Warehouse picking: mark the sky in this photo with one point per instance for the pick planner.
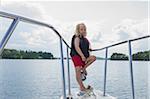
(107, 22)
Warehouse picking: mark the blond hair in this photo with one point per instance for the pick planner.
(77, 33)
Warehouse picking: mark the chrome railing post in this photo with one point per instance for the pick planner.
(8, 34)
(105, 70)
(63, 70)
(131, 68)
(69, 87)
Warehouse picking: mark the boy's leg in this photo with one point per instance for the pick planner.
(78, 77)
(89, 61)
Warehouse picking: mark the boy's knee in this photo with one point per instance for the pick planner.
(93, 58)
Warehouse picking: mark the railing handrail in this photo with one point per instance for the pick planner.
(122, 42)
(28, 20)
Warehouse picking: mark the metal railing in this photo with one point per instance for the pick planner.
(130, 61)
(17, 19)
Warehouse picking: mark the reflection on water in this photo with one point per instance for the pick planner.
(41, 79)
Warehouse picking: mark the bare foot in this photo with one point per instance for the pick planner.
(82, 88)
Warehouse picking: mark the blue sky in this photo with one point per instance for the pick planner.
(107, 22)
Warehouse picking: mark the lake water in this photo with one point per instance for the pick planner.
(41, 79)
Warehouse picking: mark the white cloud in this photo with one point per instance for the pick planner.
(129, 28)
(31, 10)
(39, 36)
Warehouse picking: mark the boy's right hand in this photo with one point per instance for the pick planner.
(83, 58)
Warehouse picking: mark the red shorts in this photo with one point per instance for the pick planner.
(77, 61)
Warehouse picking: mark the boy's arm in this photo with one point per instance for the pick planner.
(76, 43)
(90, 48)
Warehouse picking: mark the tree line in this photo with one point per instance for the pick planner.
(20, 54)
(145, 56)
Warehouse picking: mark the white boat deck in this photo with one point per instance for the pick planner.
(97, 95)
